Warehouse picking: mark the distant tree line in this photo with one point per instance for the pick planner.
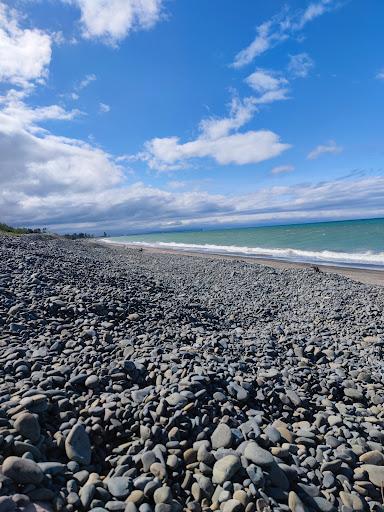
(20, 231)
(4, 228)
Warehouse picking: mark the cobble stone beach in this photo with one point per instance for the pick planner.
(142, 382)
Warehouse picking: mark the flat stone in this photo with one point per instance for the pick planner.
(295, 504)
(92, 382)
(120, 486)
(375, 474)
(176, 399)
(221, 437)
(352, 501)
(225, 468)
(258, 455)
(232, 506)
(323, 504)
(28, 426)
(35, 403)
(373, 457)
(78, 446)
(87, 493)
(162, 495)
(354, 394)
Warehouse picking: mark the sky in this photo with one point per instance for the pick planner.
(138, 115)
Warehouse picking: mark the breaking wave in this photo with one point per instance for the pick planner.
(359, 260)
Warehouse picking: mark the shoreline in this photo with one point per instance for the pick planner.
(365, 276)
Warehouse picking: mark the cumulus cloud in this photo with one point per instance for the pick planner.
(281, 169)
(24, 53)
(239, 148)
(300, 65)
(36, 162)
(331, 148)
(217, 141)
(113, 20)
(280, 28)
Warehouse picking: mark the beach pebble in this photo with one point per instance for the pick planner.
(78, 446)
(28, 426)
(22, 471)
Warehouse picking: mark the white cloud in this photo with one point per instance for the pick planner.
(278, 29)
(24, 53)
(88, 79)
(281, 169)
(82, 84)
(262, 81)
(104, 108)
(241, 112)
(15, 108)
(300, 65)
(138, 206)
(239, 148)
(112, 20)
(380, 75)
(331, 147)
(270, 86)
(39, 163)
(217, 141)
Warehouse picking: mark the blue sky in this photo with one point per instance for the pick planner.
(131, 115)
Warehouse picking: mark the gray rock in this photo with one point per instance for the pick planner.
(22, 471)
(221, 437)
(225, 468)
(258, 455)
(28, 426)
(375, 474)
(373, 457)
(295, 504)
(232, 506)
(120, 486)
(162, 495)
(78, 446)
(176, 400)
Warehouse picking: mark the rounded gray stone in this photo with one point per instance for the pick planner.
(225, 468)
(221, 437)
(78, 445)
(119, 486)
(22, 471)
(28, 426)
(258, 455)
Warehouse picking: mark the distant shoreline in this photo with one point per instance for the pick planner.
(366, 276)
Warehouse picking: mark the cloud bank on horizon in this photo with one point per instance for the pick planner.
(65, 162)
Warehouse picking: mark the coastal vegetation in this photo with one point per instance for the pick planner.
(5, 228)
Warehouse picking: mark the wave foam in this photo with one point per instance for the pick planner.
(359, 260)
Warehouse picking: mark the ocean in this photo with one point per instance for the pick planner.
(355, 243)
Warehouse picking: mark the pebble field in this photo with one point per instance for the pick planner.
(143, 382)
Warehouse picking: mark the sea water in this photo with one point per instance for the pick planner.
(356, 243)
